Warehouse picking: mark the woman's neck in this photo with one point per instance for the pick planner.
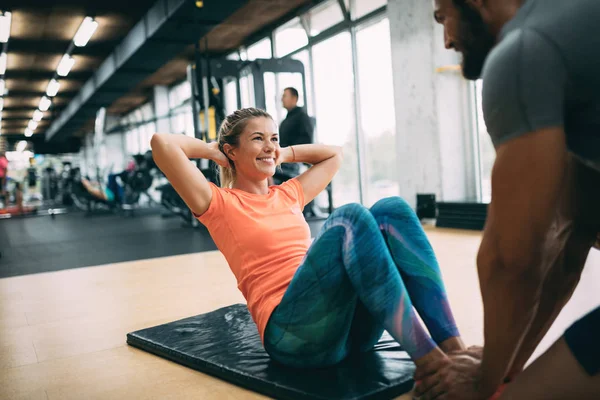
(254, 187)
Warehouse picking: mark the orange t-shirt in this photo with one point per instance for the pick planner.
(264, 239)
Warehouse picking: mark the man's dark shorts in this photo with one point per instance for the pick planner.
(583, 338)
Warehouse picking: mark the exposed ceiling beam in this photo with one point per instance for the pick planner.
(20, 126)
(43, 75)
(45, 46)
(34, 93)
(19, 135)
(91, 8)
(27, 109)
(17, 118)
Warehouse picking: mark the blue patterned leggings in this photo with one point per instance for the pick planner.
(362, 275)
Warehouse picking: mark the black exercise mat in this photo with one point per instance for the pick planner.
(225, 343)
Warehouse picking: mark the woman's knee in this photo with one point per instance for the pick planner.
(395, 207)
(355, 218)
(350, 209)
(351, 212)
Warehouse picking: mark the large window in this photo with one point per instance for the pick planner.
(360, 8)
(290, 37)
(305, 98)
(247, 89)
(181, 109)
(132, 134)
(261, 49)
(140, 128)
(334, 94)
(324, 16)
(377, 115)
(147, 129)
(487, 153)
(271, 95)
(230, 92)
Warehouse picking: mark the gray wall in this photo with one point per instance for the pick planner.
(435, 146)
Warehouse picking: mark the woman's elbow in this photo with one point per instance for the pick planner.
(155, 141)
(338, 158)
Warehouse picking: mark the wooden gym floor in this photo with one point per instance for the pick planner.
(62, 334)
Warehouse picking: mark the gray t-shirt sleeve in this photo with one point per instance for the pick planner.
(524, 83)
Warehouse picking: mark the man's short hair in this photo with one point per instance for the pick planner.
(293, 91)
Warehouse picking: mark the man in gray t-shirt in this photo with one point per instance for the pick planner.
(540, 64)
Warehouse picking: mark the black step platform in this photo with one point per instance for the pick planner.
(225, 343)
(461, 215)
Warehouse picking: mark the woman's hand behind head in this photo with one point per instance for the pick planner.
(218, 156)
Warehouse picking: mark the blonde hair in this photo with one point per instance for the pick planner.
(229, 133)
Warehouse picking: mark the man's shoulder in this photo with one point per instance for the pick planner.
(511, 49)
(522, 53)
(523, 85)
(299, 111)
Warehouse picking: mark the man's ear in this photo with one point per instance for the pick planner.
(229, 151)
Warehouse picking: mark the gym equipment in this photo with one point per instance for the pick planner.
(136, 182)
(225, 343)
(127, 187)
(50, 185)
(426, 206)
(174, 204)
(461, 215)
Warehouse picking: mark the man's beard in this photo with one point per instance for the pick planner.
(476, 42)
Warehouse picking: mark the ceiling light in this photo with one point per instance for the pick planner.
(32, 125)
(65, 65)
(28, 132)
(44, 104)
(3, 59)
(38, 115)
(1, 105)
(5, 21)
(85, 32)
(53, 87)
(2, 87)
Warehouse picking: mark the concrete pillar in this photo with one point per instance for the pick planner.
(434, 151)
(161, 109)
(456, 125)
(99, 141)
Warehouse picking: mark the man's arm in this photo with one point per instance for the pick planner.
(526, 181)
(573, 233)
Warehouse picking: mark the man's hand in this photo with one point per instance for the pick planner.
(457, 377)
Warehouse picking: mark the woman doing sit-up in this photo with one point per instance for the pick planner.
(313, 302)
